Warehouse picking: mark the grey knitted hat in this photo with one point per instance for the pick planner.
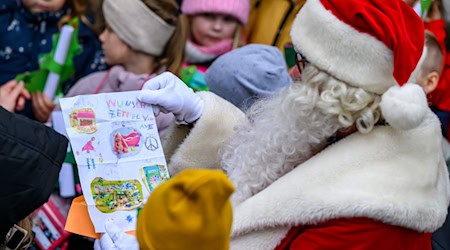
(245, 74)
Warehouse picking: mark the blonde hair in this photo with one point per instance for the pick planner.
(238, 39)
(173, 55)
(287, 129)
(434, 58)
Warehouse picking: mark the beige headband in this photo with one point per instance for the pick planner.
(137, 25)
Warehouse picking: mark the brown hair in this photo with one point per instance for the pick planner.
(173, 55)
(79, 8)
(434, 58)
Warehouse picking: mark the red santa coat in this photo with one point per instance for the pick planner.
(380, 186)
(354, 233)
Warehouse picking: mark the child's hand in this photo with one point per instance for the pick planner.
(42, 106)
(13, 96)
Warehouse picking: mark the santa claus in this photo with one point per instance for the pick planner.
(348, 158)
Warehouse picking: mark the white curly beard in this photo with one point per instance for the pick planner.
(290, 127)
(286, 130)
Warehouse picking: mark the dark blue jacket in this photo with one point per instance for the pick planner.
(444, 117)
(24, 36)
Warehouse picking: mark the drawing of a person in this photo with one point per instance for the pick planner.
(89, 149)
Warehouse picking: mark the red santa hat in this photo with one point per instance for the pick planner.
(371, 44)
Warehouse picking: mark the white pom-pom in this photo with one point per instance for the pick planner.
(404, 107)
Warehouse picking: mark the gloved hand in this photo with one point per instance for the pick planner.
(172, 95)
(114, 239)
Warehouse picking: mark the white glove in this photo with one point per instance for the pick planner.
(114, 239)
(172, 95)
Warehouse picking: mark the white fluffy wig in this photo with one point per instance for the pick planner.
(288, 128)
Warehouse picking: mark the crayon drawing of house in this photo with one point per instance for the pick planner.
(83, 120)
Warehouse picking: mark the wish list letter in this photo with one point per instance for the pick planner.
(118, 153)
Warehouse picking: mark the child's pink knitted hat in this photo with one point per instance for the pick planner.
(239, 9)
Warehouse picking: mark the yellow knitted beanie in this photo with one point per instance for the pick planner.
(190, 211)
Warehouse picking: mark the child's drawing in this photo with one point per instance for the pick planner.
(115, 161)
(88, 152)
(163, 172)
(111, 196)
(153, 176)
(83, 120)
(126, 142)
(100, 158)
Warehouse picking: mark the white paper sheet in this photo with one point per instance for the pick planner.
(118, 152)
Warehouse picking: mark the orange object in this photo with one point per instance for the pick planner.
(270, 21)
(79, 222)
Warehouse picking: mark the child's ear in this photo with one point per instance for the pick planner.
(432, 82)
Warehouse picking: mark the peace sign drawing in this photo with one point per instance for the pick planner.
(151, 143)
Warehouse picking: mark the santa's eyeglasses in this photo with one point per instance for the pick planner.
(301, 61)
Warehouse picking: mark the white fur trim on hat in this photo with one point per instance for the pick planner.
(404, 107)
(337, 48)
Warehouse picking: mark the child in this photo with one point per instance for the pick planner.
(142, 39)
(214, 30)
(27, 28)
(238, 79)
(439, 98)
(429, 75)
(431, 66)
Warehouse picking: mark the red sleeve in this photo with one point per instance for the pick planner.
(355, 234)
(437, 27)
